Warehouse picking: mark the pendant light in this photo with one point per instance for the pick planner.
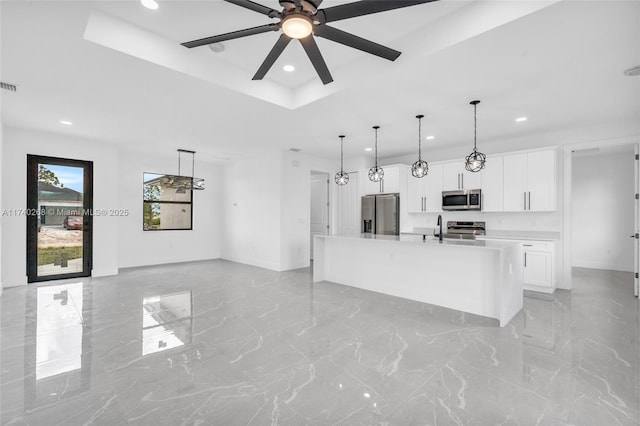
(474, 162)
(342, 177)
(420, 168)
(184, 183)
(376, 174)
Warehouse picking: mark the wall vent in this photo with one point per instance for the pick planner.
(7, 86)
(295, 149)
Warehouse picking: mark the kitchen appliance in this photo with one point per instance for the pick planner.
(381, 214)
(465, 230)
(462, 199)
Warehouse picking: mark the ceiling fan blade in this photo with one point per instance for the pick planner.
(356, 42)
(231, 35)
(271, 58)
(310, 46)
(366, 7)
(247, 4)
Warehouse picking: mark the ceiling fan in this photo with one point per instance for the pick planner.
(302, 20)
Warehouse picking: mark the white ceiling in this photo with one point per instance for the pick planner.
(561, 66)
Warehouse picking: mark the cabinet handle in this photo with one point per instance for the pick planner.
(458, 180)
(524, 201)
(525, 259)
(424, 204)
(462, 180)
(527, 245)
(529, 200)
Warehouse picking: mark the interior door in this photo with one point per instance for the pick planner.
(319, 206)
(59, 218)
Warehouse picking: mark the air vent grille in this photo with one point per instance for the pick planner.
(7, 86)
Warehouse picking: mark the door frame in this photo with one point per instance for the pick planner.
(566, 282)
(327, 182)
(32, 219)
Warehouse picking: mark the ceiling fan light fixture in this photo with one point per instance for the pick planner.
(297, 25)
(149, 4)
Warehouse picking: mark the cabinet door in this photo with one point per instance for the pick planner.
(391, 181)
(514, 182)
(452, 176)
(366, 186)
(537, 268)
(471, 180)
(541, 181)
(433, 188)
(416, 192)
(492, 190)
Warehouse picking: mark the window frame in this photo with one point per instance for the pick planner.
(145, 202)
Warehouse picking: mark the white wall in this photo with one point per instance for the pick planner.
(603, 211)
(17, 144)
(296, 206)
(137, 247)
(251, 210)
(266, 209)
(117, 184)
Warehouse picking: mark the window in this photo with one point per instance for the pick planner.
(166, 206)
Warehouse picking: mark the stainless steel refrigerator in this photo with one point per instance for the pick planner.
(381, 214)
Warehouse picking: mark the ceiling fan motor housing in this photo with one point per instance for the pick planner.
(308, 6)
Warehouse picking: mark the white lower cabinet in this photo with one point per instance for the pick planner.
(538, 266)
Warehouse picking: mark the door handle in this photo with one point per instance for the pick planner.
(636, 236)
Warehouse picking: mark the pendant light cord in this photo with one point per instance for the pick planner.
(419, 117)
(475, 125)
(376, 129)
(341, 155)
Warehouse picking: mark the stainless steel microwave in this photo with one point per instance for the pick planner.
(462, 199)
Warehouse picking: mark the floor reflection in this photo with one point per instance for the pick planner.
(61, 356)
(167, 322)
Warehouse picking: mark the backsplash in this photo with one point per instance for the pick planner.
(516, 221)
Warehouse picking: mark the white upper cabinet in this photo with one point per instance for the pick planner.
(530, 181)
(541, 181)
(515, 178)
(492, 187)
(416, 191)
(433, 189)
(366, 186)
(391, 181)
(455, 176)
(425, 194)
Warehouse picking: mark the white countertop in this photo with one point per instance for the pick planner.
(430, 241)
(499, 235)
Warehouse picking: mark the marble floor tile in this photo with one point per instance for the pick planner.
(220, 343)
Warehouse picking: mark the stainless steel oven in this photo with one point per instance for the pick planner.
(462, 199)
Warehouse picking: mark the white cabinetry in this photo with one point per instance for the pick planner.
(425, 194)
(390, 183)
(538, 266)
(530, 181)
(455, 176)
(492, 185)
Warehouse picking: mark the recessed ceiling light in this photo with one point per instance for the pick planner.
(66, 123)
(368, 149)
(521, 119)
(289, 68)
(149, 4)
(430, 137)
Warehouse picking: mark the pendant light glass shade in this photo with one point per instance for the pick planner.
(475, 161)
(342, 177)
(376, 174)
(420, 168)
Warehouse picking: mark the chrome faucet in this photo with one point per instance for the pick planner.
(440, 236)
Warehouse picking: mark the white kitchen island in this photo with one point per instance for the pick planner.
(470, 276)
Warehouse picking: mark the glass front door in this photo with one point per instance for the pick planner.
(59, 198)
